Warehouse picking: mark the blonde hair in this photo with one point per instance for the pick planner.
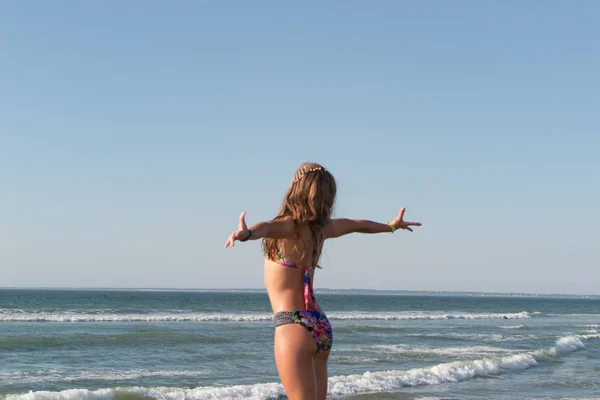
(308, 201)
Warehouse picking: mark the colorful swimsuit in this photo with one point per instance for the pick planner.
(311, 318)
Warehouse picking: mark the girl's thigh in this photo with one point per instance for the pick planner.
(320, 362)
(294, 352)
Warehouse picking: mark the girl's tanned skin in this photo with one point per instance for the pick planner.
(293, 242)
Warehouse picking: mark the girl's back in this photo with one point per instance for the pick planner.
(285, 280)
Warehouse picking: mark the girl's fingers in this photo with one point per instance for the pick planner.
(406, 227)
(243, 221)
(230, 241)
(401, 213)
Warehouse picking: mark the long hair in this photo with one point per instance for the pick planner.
(308, 201)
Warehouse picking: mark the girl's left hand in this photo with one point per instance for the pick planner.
(241, 233)
(400, 223)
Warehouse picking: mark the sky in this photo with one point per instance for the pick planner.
(132, 134)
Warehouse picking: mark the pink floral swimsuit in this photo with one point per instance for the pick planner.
(312, 317)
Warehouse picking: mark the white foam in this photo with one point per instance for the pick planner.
(343, 359)
(590, 336)
(259, 391)
(512, 326)
(454, 352)
(488, 337)
(449, 372)
(568, 344)
(379, 381)
(53, 375)
(426, 316)
(564, 345)
(200, 317)
(442, 373)
(191, 317)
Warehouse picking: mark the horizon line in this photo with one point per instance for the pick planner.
(176, 289)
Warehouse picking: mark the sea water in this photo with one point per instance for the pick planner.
(103, 344)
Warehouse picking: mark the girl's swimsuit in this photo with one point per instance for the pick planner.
(312, 317)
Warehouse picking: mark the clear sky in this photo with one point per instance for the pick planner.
(133, 133)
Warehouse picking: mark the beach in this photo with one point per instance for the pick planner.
(107, 344)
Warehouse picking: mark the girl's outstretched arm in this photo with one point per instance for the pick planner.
(343, 226)
(276, 229)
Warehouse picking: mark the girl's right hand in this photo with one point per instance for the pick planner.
(241, 234)
(400, 223)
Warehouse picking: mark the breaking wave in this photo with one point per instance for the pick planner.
(512, 327)
(368, 382)
(54, 375)
(216, 317)
(487, 337)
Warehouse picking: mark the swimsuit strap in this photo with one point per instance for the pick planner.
(277, 257)
(310, 303)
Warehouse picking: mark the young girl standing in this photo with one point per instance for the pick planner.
(292, 243)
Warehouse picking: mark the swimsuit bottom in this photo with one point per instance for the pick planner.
(314, 321)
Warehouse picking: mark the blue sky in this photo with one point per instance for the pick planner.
(132, 134)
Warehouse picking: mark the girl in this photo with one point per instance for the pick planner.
(292, 243)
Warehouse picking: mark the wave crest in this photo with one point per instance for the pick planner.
(245, 317)
(338, 385)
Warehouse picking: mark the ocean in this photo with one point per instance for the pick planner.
(152, 344)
